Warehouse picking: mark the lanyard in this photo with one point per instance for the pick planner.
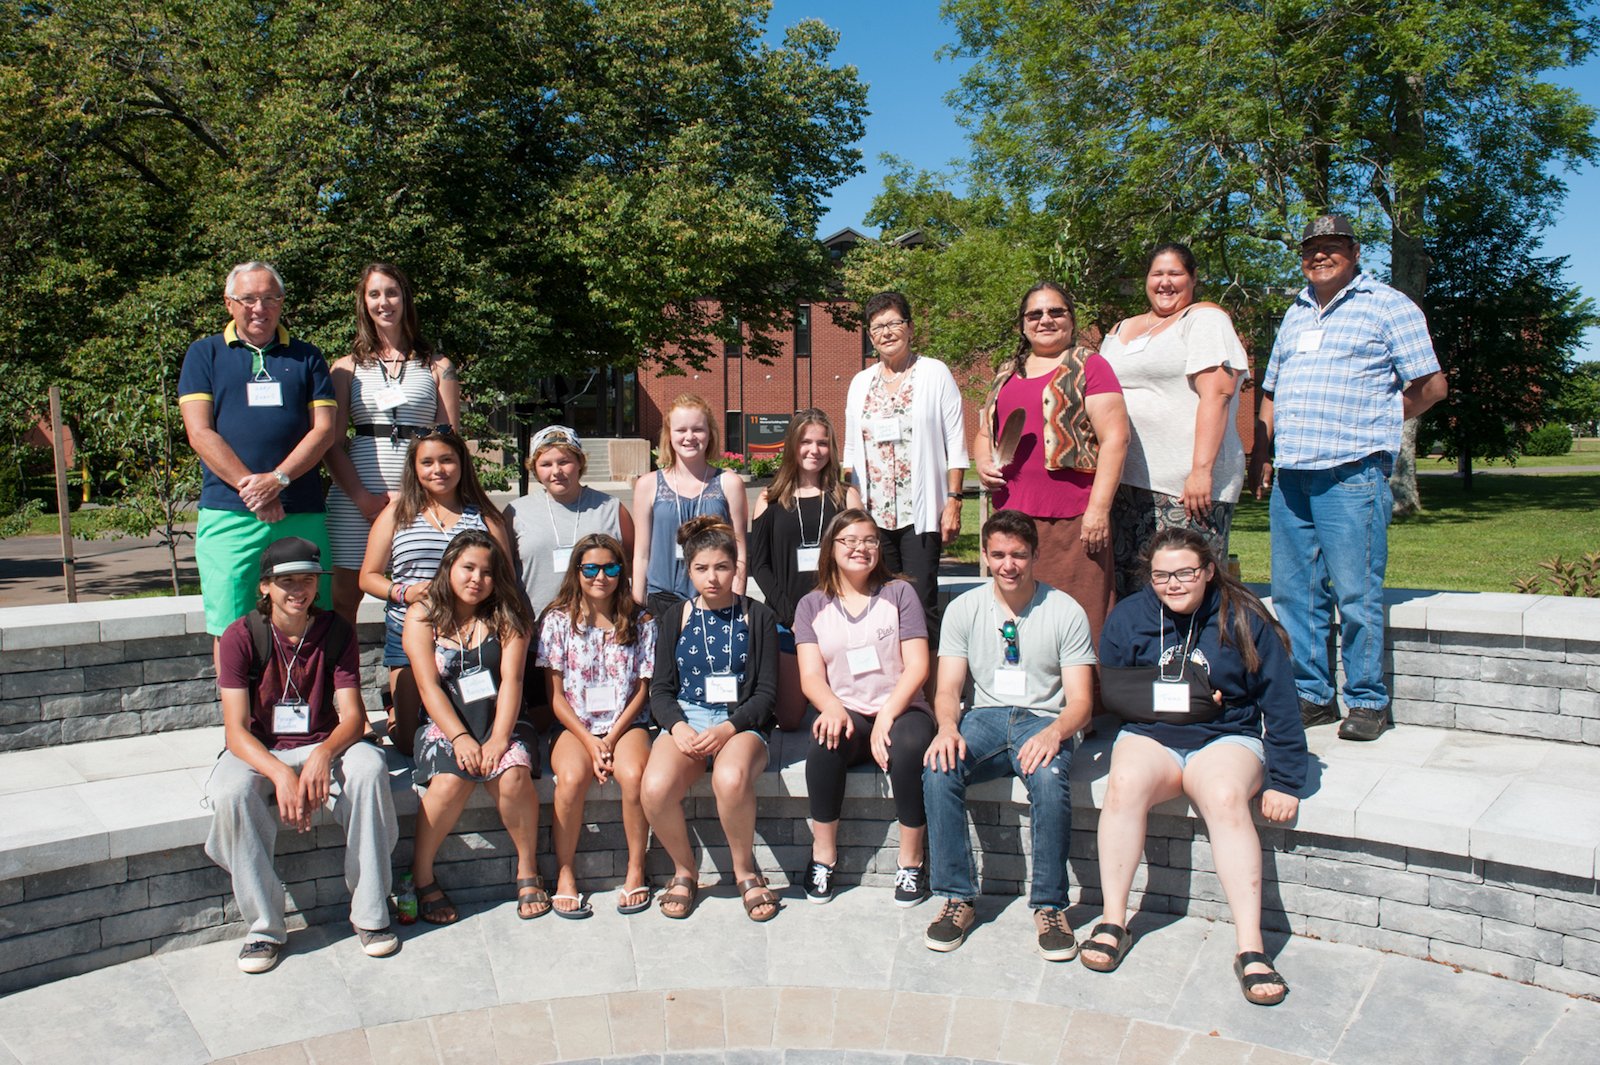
(398, 379)
(852, 624)
(678, 500)
(290, 661)
(461, 646)
(258, 362)
(705, 637)
(576, 521)
(801, 521)
(1161, 652)
(1016, 619)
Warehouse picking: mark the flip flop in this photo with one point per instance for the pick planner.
(530, 892)
(578, 912)
(1114, 952)
(634, 907)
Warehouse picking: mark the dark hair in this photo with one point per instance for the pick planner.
(885, 301)
(708, 532)
(1185, 256)
(1019, 358)
(503, 610)
(781, 492)
(571, 601)
(1011, 523)
(413, 497)
(368, 343)
(1238, 602)
(829, 582)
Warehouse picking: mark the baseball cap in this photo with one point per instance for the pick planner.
(1328, 225)
(290, 555)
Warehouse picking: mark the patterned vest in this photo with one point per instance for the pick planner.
(1069, 440)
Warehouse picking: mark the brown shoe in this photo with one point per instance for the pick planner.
(949, 930)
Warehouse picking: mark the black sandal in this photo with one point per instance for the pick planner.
(426, 908)
(1114, 952)
(531, 892)
(1248, 982)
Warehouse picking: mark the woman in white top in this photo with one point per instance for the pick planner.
(905, 445)
(1180, 365)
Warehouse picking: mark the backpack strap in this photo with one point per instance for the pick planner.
(260, 645)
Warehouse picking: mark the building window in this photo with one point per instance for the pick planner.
(866, 345)
(802, 331)
(734, 349)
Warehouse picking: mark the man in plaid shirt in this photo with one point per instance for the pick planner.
(1352, 360)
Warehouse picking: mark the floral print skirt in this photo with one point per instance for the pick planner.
(1138, 514)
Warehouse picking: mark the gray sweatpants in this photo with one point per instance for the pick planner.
(244, 835)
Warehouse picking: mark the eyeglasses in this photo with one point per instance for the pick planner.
(254, 301)
(594, 569)
(1052, 312)
(889, 326)
(863, 543)
(1330, 249)
(1187, 575)
(400, 432)
(1008, 633)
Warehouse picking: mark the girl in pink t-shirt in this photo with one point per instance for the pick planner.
(862, 641)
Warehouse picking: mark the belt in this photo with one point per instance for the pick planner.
(394, 432)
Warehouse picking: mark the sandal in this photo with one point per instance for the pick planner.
(1113, 952)
(763, 897)
(682, 904)
(531, 893)
(427, 908)
(1248, 982)
(576, 913)
(640, 893)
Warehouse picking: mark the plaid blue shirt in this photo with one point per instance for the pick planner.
(1339, 401)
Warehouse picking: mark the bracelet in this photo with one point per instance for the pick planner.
(956, 495)
(457, 736)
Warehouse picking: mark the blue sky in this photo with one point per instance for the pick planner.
(893, 43)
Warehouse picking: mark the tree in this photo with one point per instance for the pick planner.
(1578, 401)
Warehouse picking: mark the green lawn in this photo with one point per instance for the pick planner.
(1477, 542)
(1585, 452)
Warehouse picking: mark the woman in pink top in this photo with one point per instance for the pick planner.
(862, 641)
(1067, 461)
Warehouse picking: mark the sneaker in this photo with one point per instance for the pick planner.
(378, 943)
(1366, 723)
(949, 930)
(819, 883)
(259, 955)
(1312, 714)
(910, 885)
(1055, 935)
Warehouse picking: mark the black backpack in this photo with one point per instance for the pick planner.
(338, 638)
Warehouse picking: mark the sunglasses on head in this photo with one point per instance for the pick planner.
(1008, 633)
(594, 569)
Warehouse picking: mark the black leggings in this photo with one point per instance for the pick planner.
(909, 737)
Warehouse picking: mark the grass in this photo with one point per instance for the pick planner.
(1585, 452)
(49, 524)
(1468, 542)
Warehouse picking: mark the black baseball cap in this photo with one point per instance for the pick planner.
(1328, 225)
(291, 555)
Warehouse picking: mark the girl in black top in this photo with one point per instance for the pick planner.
(786, 537)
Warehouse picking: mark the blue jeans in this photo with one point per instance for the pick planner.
(994, 735)
(1330, 543)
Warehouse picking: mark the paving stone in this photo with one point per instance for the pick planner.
(748, 1013)
(1573, 1037)
(1093, 1036)
(524, 1031)
(861, 1020)
(128, 1007)
(976, 1028)
(581, 1027)
(1152, 1044)
(445, 960)
(70, 965)
(638, 1022)
(1033, 1033)
(289, 1054)
(1212, 1050)
(804, 1018)
(463, 1038)
(1428, 808)
(1540, 826)
(402, 1043)
(918, 1023)
(340, 1048)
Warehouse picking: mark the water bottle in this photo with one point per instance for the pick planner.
(405, 900)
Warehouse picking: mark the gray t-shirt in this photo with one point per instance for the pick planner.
(540, 526)
(1052, 632)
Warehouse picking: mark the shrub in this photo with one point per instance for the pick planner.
(730, 460)
(765, 465)
(1551, 439)
(1580, 578)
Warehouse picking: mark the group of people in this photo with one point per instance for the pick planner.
(635, 652)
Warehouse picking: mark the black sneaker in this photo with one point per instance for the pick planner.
(1366, 723)
(949, 930)
(1055, 935)
(259, 955)
(910, 885)
(1312, 714)
(819, 883)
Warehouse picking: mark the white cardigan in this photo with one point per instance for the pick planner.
(938, 436)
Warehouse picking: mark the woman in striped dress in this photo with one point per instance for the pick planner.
(439, 497)
(390, 388)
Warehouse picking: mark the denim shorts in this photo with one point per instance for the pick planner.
(394, 655)
(1182, 755)
(701, 718)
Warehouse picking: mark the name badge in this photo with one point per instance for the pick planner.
(1310, 340)
(291, 719)
(1170, 697)
(722, 688)
(600, 698)
(479, 684)
(677, 552)
(389, 397)
(264, 394)
(560, 557)
(806, 558)
(1011, 682)
(1138, 344)
(863, 660)
(884, 430)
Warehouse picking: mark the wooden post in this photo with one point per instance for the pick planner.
(983, 516)
(58, 437)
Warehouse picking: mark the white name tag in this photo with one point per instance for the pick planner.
(600, 698)
(1310, 340)
(1170, 697)
(291, 719)
(722, 688)
(677, 552)
(389, 397)
(264, 394)
(560, 557)
(1138, 344)
(863, 660)
(1011, 682)
(884, 430)
(806, 558)
(479, 684)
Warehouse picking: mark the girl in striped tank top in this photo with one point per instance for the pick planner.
(439, 497)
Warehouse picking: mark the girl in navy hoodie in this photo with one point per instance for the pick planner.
(1200, 672)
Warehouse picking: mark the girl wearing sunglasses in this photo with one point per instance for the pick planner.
(598, 651)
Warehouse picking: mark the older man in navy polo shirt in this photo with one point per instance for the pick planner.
(1351, 362)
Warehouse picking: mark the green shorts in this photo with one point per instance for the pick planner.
(227, 552)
